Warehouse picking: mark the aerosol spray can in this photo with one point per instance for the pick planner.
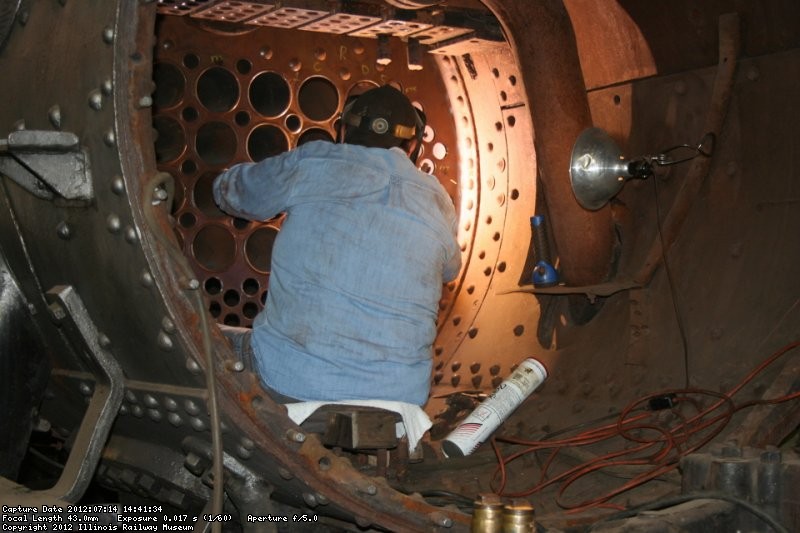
(494, 410)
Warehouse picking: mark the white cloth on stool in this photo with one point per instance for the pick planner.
(415, 421)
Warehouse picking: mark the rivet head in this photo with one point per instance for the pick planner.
(110, 138)
(175, 419)
(130, 235)
(197, 424)
(96, 100)
(113, 223)
(191, 407)
(150, 401)
(168, 325)
(64, 230)
(54, 115)
(108, 35)
(19, 125)
(130, 396)
(118, 185)
(155, 415)
(146, 278)
(164, 341)
(170, 404)
(145, 101)
(192, 366)
(104, 341)
(137, 411)
(107, 87)
(85, 389)
(243, 452)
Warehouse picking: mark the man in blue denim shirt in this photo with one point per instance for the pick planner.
(358, 266)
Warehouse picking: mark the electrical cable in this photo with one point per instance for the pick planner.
(163, 179)
(654, 443)
(677, 500)
(671, 283)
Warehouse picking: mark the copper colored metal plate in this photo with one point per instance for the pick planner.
(224, 99)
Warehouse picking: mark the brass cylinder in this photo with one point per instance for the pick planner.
(487, 516)
(518, 518)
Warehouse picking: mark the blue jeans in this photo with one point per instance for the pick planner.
(241, 342)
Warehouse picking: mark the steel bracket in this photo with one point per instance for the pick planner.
(48, 164)
(68, 311)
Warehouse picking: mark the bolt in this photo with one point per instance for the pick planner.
(110, 138)
(164, 341)
(108, 35)
(295, 436)
(192, 366)
(113, 223)
(103, 341)
(118, 186)
(146, 278)
(441, 519)
(96, 100)
(168, 325)
(191, 407)
(64, 230)
(54, 114)
(234, 366)
(242, 452)
(57, 312)
(130, 235)
(107, 87)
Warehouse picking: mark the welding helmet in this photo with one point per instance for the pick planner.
(383, 118)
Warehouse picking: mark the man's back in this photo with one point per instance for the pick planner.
(356, 272)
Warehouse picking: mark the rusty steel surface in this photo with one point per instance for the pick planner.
(560, 111)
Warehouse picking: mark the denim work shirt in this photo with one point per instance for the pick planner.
(357, 270)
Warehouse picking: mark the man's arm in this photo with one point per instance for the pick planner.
(257, 191)
(453, 265)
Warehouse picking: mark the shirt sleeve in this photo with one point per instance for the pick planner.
(453, 265)
(257, 191)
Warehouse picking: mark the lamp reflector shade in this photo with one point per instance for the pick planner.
(597, 168)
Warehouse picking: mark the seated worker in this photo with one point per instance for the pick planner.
(358, 266)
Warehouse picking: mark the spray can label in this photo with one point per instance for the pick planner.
(494, 410)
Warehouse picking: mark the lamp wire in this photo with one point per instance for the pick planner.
(671, 283)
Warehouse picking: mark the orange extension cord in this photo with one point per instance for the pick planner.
(649, 443)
